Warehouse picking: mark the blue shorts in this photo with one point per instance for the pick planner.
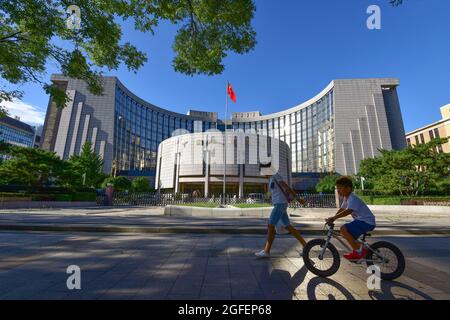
(279, 212)
(357, 228)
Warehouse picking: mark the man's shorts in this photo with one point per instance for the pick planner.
(357, 228)
(279, 212)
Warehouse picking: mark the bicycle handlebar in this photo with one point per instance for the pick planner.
(329, 225)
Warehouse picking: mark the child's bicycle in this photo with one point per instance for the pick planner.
(322, 258)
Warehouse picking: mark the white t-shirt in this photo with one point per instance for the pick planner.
(278, 196)
(360, 211)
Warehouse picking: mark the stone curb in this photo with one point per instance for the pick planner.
(205, 230)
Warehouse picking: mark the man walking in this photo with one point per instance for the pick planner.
(282, 194)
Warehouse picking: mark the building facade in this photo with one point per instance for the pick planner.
(438, 129)
(16, 132)
(196, 162)
(332, 132)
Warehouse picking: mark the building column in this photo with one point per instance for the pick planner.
(241, 181)
(207, 175)
(177, 173)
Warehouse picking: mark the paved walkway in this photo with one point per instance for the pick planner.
(152, 220)
(156, 266)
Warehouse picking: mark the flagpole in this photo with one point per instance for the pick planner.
(225, 145)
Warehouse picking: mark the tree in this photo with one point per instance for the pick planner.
(396, 3)
(327, 184)
(140, 184)
(87, 167)
(31, 167)
(119, 183)
(412, 171)
(34, 33)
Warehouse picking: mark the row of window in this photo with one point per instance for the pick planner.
(420, 139)
(139, 130)
(309, 132)
(15, 136)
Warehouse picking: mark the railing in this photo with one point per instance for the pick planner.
(164, 199)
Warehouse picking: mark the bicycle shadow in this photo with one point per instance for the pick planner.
(386, 292)
(316, 288)
(327, 289)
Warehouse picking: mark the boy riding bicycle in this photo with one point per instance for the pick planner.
(364, 219)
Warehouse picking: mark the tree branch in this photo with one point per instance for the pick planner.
(12, 37)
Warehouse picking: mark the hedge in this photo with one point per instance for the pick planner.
(397, 200)
(75, 196)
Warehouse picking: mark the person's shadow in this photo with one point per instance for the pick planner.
(316, 288)
(283, 285)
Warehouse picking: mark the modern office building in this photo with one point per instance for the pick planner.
(196, 161)
(16, 132)
(438, 129)
(332, 132)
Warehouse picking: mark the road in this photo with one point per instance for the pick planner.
(185, 266)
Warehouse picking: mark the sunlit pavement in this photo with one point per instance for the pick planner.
(153, 220)
(183, 266)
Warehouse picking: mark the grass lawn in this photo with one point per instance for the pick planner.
(198, 204)
(252, 205)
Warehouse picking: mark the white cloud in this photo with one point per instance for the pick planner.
(27, 113)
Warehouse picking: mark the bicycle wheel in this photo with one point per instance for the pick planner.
(388, 258)
(325, 267)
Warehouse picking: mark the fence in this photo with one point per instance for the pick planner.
(164, 199)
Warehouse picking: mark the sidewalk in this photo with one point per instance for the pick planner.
(152, 220)
(191, 267)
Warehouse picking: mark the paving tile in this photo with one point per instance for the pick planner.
(144, 267)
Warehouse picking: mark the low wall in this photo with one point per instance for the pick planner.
(186, 211)
(45, 204)
(411, 209)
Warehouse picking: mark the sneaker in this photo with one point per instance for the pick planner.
(262, 254)
(355, 255)
(352, 256)
(363, 253)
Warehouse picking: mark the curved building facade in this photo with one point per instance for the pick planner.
(189, 162)
(348, 121)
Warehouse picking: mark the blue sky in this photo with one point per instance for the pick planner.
(302, 46)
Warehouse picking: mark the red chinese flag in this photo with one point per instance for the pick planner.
(231, 93)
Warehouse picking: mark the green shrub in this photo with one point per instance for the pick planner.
(327, 184)
(140, 184)
(84, 196)
(119, 183)
(397, 200)
(63, 197)
(13, 195)
(43, 197)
